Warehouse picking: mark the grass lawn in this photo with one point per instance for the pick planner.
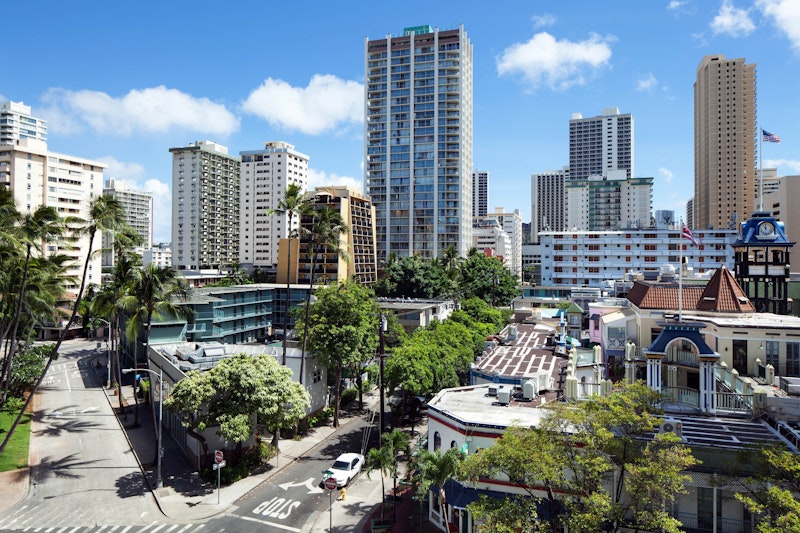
(16, 453)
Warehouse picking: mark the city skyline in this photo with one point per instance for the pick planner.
(124, 93)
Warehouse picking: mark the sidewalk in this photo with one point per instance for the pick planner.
(185, 496)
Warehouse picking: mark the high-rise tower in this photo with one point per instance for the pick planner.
(725, 184)
(205, 207)
(418, 140)
(600, 145)
(480, 193)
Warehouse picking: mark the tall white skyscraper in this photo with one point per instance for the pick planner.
(418, 140)
(606, 204)
(265, 175)
(600, 144)
(16, 122)
(547, 201)
(511, 224)
(480, 193)
(138, 207)
(205, 207)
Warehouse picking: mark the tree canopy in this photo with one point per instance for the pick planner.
(236, 393)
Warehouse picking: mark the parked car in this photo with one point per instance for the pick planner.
(344, 468)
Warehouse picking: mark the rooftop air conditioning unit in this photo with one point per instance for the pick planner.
(492, 391)
(671, 426)
(530, 389)
(503, 396)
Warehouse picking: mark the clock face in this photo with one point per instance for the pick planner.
(766, 228)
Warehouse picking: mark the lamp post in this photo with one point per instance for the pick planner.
(382, 356)
(159, 482)
(108, 351)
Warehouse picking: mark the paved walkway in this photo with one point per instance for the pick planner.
(187, 498)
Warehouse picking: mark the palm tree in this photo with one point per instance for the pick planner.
(380, 458)
(437, 468)
(294, 203)
(105, 214)
(326, 233)
(40, 226)
(153, 294)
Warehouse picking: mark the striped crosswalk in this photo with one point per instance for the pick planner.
(154, 527)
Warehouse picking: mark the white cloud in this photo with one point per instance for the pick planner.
(320, 178)
(785, 15)
(150, 110)
(666, 174)
(784, 166)
(646, 83)
(119, 169)
(326, 104)
(676, 5)
(558, 64)
(540, 21)
(732, 21)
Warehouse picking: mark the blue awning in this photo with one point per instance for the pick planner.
(460, 496)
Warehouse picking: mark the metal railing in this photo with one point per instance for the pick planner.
(682, 395)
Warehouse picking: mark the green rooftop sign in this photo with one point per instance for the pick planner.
(417, 30)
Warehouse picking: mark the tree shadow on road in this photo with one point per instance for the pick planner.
(131, 485)
(63, 468)
(55, 429)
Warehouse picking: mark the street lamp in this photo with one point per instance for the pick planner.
(108, 351)
(382, 355)
(159, 482)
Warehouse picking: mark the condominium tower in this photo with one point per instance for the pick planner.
(480, 193)
(265, 175)
(205, 207)
(16, 122)
(547, 201)
(725, 184)
(138, 206)
(598, 145)
(418, 140)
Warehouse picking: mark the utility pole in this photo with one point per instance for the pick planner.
(382, 355)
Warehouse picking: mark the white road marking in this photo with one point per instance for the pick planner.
(271, 524)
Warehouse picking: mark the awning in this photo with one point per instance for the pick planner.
(460, 496)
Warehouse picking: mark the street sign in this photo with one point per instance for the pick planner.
(330, 483)
(218, 457)
(217, 466)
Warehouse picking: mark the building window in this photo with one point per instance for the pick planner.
(793, 359)
(772, 351)
(437, 441)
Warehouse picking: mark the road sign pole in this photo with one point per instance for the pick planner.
(330, 511)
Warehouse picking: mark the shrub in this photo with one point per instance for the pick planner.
(349, 395)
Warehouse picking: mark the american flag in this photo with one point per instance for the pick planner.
(687, 234)
(770, 137)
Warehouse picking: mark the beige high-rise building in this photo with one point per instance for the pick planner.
(725, 137)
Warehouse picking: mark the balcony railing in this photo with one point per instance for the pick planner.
(682, 395)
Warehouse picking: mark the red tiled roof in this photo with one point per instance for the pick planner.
(724, 295)
(721, 294)
(663, 295)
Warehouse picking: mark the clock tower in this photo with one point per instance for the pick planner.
(761, 255)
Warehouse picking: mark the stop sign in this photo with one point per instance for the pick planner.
(330, 483)
(218, 457)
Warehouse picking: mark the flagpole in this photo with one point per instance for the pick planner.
(760, 170)
(680, 274)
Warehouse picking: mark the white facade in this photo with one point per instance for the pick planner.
(138, 207)
(67, 183)
(418, 141)
(548, 201)
(609, 203)
(592, 257)
(491, 239)
(16, 122)
(264, 178)
(160, 255)
(601, 144)
(511, 223)
(205, 207)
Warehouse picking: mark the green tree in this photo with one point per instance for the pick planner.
(294, 203)
(772, 493)
(341, 331)
(435, 469)
(154, 293)
(414, 277)
(236, 393)
(105, 214)
(325, 236)
(487, 278)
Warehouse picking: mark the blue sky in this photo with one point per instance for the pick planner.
(124, 82)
